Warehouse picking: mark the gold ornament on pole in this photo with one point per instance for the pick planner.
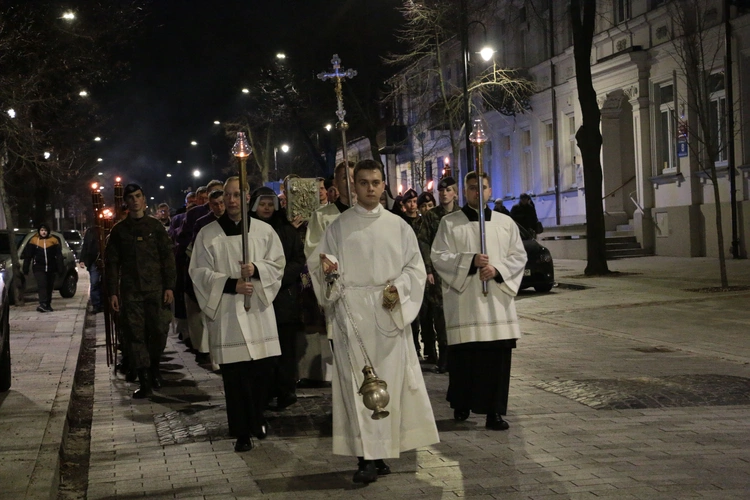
(478, 138)
(241, 151)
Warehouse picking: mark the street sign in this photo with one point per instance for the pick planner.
(682, 147)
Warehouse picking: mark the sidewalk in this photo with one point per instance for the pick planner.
(44, 352)
(627, 386)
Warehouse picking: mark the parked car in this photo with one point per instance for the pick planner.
(540, 270)
(66, 281)
(4, 331)
(75, 240)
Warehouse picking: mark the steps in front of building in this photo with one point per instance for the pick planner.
(622, 243)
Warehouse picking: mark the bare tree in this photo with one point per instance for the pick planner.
(699, 52)
(425, 83)
(588, 136)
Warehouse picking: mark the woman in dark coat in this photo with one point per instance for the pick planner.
(43, 254)
(264, 205)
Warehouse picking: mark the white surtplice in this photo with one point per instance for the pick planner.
(469, 315)
(237, 335)
(372, 249)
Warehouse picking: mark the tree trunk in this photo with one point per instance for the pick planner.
(719, 230)
(588, 137)
(18, 283)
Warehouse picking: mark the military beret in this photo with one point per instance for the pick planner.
(409, 195)
(445, 182)
(425, 197)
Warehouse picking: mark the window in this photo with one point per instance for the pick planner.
(527, 177)
(718, 117)
(622, 11)
(507, 165)
(428, 170)
(548, 173)
(404, 181)
(666, 128)
(570, 167)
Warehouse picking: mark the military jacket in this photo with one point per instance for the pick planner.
(426, 231)
(139, 257)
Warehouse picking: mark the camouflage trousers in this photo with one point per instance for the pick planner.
(144, 324)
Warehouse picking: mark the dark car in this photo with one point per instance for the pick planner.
(540, 271)
(4, 330)
(75, 240)
(66, 281)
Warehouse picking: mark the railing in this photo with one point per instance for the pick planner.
(615, 190)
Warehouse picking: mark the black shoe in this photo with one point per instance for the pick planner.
(202, 358)
(382, 468)
(461, 415)
(283, 402)
(439, 369)
(495, 422)
(430, 359)
(243, 444)
(48, 308)
(40, 308)
(367, 472)
(131, 376)
(144, 389)
(262, 431)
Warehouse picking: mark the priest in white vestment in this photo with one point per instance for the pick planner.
(245, 344)
(364, 251)
(482, 330)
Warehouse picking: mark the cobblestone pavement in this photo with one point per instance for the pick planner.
(677, 361)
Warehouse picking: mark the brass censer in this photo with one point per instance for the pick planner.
(374, 394)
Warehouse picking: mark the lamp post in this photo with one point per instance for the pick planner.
(284, 149)
(241, 151)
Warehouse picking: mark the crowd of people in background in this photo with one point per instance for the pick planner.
(182, 270)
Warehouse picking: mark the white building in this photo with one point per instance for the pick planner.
(653, 184)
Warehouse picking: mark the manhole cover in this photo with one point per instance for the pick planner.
(675, 391)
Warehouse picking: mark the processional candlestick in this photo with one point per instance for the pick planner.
(478, 137)
(338, 75)
(241, 150)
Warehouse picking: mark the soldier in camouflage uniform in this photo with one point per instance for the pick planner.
(426, 231)
(140, 272)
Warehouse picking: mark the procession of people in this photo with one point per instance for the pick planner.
(395, 288)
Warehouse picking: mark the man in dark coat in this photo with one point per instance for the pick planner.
(141, 275)
(524, 213)
(89, 257)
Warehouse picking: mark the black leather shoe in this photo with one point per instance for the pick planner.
(382, 468)
(495, 422)
(262, 431)
(461, 415)
(283, 402)
(156, 379)
(367, 472)
(41, 309)
(243, 444)
(144, 389)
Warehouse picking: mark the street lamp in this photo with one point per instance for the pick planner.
(83, 93)
(196, 173)
(69, 16)
(193, 143)
(100, 159)
(284, 149)
(245, 91)
(281, 56)
(46, 155)
(487, 53)
(217, 122)
(169, 175)
(328, 127)
(97, 139)
(12, 113)
(179, 161)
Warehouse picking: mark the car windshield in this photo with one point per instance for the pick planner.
(72, 235)
(5, 247)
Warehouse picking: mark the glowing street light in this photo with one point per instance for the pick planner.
(97, 138)
(285, 148)
(194, 143)
(46, 155)
(328, 127)
(12, 113)
(245, 91)
(179, 161)
(100, 159)
(169, 175)
(83, 93)
(487, 53)
(100, 173)
(281, 56)
(196, 173)
(69, 16)
(161, 187)
(217, 122)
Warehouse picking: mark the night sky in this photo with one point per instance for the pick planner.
(193, 57)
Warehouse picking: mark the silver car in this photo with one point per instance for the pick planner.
(66, 281)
